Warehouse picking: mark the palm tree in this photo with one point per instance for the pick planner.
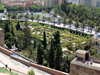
(49, 19)
(59, 20)
(32, 18)
(70, 22)
(97, 24)
(37, 18)
(9, 15)
(88, 22)
(30, 52)
(26, 16)
(43, 18)
(54, 15)
(77, 25)
(64, 20)
(92, 26)
(83, 26)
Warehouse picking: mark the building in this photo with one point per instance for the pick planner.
(84, 64)
(89, 3)
(49, 3)
(25, 4)
(96, 41)
(1, 38)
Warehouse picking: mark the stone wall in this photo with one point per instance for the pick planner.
(20, 60)
(80, 70)
(29, 63)
(1, 38)
(5, 51)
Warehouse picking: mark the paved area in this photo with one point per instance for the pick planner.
(3, 74)
(19, 66)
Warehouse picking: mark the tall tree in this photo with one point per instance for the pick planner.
(70, 22)
(9, 15)
(54, 15)
(57, 38)
(51, 55)
(18, 26)
(12, 31)
(83, 26)
(40, 53)
(6, 28)
(76, 25)
(37, 18)
(26, 36)
(45, 44)
(64, 20)
(32, 18)
(58, 56)
(92, 26)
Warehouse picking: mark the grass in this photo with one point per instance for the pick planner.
(2, 70)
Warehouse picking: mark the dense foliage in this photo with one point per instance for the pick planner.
(14, 8)
(1, 8)
(36, 8)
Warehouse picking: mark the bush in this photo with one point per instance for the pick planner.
(31, 72)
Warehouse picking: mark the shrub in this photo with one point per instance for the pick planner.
(31, 72)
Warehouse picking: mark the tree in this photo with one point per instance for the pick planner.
(57, 38)
(64, 20)
(26, 35)
(54, 15)
(51, 55)
(9, 15)
(30, 51)
(27, 16)
(92, 26)
(83, 26)
(9, 40)
(59, 20)
(43, 18)
(76, 25)
(70, 22)
(58, 56)
(18, 26)
(6, 28)
(35, 41)
(32, 18)
(12, 31)
(40, 53)
(31, 72)
(49, 19)
(45, 44)
(37, 18)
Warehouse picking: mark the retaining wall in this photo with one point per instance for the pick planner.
(52, 71)
(6, 51)
(20, 60)
(29, 63)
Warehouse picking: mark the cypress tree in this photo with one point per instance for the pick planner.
(57, 38)
(12, 31)
(35, 43)
(45, 44)
(40, 54)
(27, 36)
(51, 55)
(58, 56)
(6, 28)
(18, 26)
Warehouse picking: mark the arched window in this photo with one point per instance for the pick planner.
(96, 43)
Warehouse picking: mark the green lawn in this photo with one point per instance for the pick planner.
(7, 72)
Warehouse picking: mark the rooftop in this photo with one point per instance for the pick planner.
(95, 66)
